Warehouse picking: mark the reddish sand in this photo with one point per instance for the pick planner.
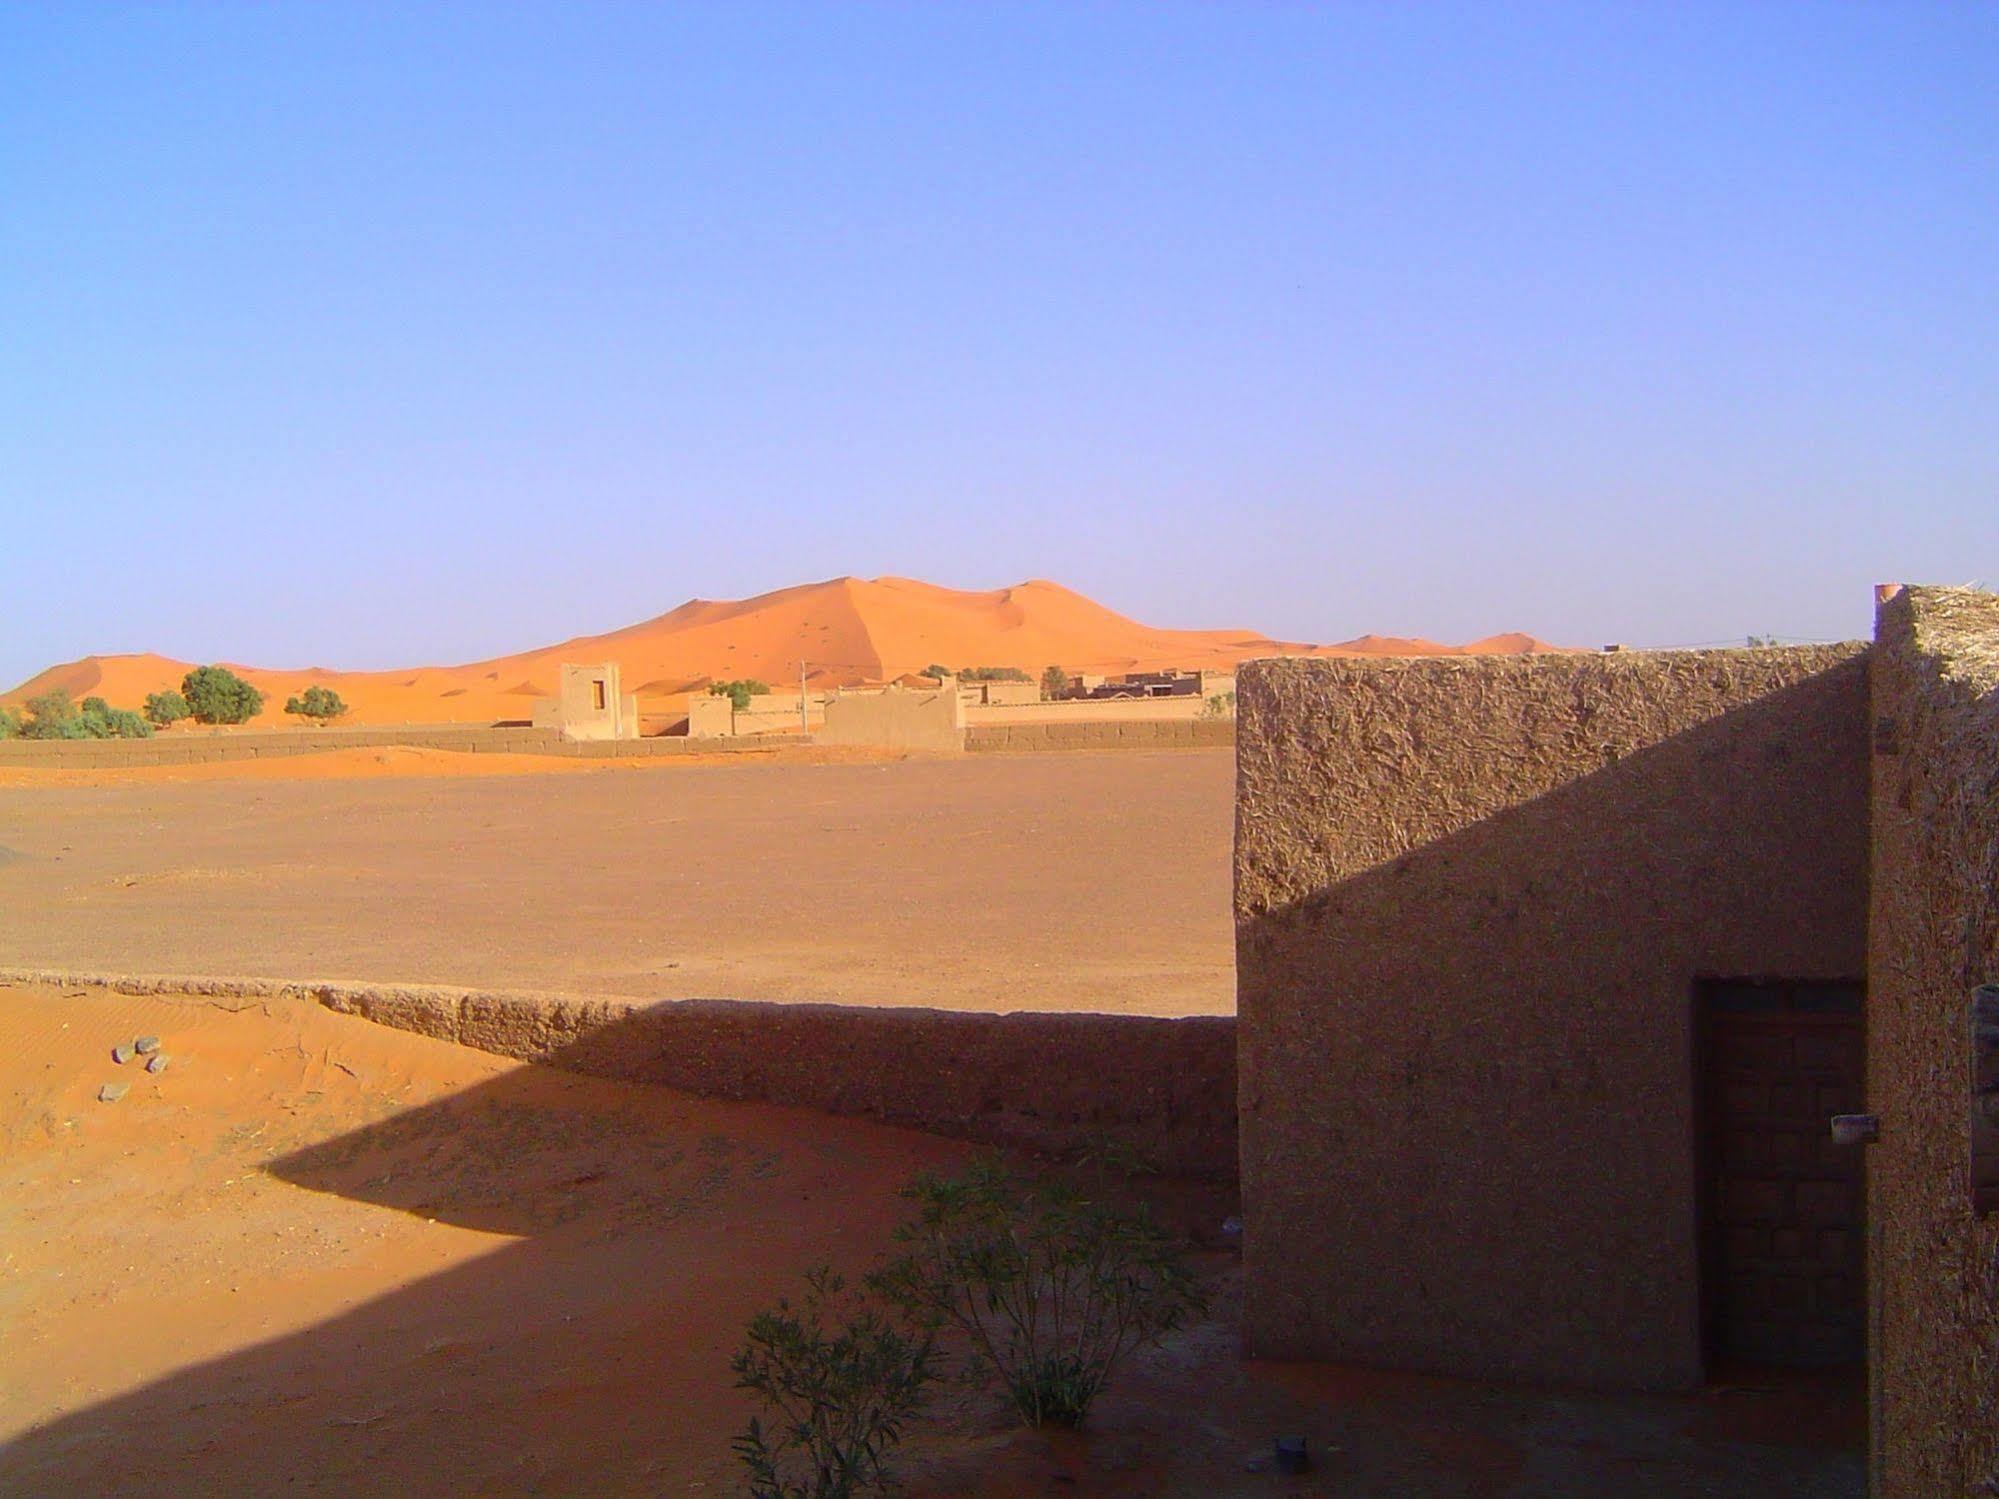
(848, 630)
(316, 1255)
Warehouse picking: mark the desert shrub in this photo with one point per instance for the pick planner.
(215, 694)
(994, 674)
(54, 716)
(739, 692)
(1054, 683)
(1220, 705)
(316, 703)
(838, 1391)
(1049, 1286)
(167, 707)
(10, 723)
(102, 721)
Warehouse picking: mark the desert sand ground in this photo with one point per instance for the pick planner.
(1079, 881)
(318, 1256)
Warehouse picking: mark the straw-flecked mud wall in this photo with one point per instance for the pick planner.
(1934, 1266)
(1473, 897)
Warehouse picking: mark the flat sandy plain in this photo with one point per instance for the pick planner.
(1067, 881)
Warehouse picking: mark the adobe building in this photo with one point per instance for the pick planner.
(588, 705)
(1552, 972)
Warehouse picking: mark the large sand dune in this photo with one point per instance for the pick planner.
(846, 631)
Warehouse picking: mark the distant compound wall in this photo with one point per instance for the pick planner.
(1091, 710)
(1049, 1082)
(1934, 1266)
(777, 713)
(1186, 733)
(1472, 900)
(710, 716)
(197, 748)
(932, 721)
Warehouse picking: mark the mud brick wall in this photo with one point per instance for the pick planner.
(1206, 733)
(1473, 897)
(1058, 1083)
(1934, 1264)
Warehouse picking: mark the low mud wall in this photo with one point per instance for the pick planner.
(1185, 733)
(1045, 1082)
(1089, 711)
(208, 748)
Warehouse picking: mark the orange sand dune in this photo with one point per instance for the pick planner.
(845, 631)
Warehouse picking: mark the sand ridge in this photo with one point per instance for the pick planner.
(846, 630)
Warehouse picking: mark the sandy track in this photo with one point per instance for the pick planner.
(1054, 881)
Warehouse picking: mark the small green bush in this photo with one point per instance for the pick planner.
(163, 708)
(317, 703)
(1054, 683)
(739, 692)
(10, 723)
(1049, 1286)
(215, 694)
(840, 1394)
(1220, 705)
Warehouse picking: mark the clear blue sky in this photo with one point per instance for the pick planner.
(369, 335)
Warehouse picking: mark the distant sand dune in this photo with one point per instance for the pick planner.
(845, 631)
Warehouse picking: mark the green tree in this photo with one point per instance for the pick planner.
(166, 707)
(740, 691)
(994, 674)
(318, 703)
(10, 723)
(54, 716)
(1054, 683)
(215, 694)
(939, 672)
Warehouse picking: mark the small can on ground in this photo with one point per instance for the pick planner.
(1293, 1455)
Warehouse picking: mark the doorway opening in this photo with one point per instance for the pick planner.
(1782, 1204)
